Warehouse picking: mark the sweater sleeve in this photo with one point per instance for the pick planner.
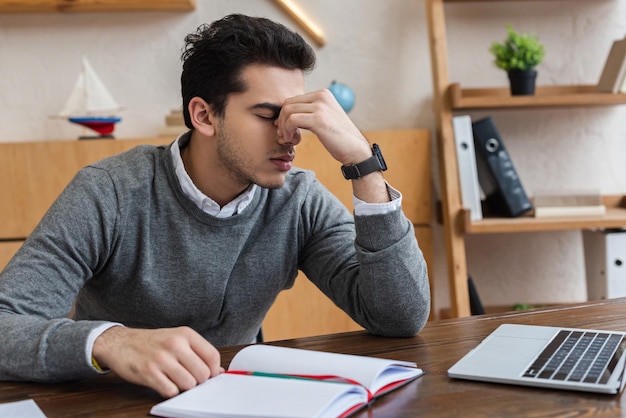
(38, 341)
(370, 266)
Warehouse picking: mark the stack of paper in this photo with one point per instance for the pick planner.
(548, 203)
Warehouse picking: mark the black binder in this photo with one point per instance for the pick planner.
(497, 176)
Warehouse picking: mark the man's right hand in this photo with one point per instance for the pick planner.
(168, 360)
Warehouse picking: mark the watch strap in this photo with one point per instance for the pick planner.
(375, 163)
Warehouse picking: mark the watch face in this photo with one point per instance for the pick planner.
(381, 160)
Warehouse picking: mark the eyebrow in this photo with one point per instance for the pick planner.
(269, 106)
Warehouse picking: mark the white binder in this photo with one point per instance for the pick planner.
(466, 160)
(605, 263)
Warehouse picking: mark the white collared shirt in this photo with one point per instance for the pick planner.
(209, 206)
(205, 203)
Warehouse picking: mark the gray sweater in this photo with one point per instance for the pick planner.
(126, 245)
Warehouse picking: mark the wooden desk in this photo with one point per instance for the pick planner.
(435, 349)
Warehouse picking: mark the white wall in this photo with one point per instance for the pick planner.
(380, 48)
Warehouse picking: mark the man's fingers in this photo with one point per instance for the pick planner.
(164, 385)
(181, 376)
(166, 360)
(190, 359)
(207, 353)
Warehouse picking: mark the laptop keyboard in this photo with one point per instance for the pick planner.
(578, 356)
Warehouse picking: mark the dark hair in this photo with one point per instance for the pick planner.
(215, 56)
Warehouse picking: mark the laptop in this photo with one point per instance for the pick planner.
(548, 357)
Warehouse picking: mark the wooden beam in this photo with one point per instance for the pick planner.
(303, 20)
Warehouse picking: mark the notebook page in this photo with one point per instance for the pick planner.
(229, 395)
(371, 372)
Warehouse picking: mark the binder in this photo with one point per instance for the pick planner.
(605, 263)
(497, 176)
(466, 160)
(476, 306)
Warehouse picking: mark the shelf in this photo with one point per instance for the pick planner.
(48, 6)
(485, 1)
(615, 218)
(546, 96)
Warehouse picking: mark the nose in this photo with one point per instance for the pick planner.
(295, 139)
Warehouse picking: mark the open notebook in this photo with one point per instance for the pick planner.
(279, 382)
(550, 357)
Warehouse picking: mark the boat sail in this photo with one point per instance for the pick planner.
(89, 101)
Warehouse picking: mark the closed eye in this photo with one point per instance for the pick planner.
(270, 118)
(266, 111)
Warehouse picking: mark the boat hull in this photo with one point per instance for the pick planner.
(104, 126)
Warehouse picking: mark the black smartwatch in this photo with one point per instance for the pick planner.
(375, 163)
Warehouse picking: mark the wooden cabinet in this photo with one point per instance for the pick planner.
(450, 97)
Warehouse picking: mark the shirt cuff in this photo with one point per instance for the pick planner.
(362, 208)
(91, 339)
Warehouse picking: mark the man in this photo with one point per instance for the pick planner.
(170, 252)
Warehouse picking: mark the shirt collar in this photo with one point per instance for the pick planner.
(202, 201)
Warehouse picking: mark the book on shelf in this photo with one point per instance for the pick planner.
(614, 70)
(549, 203)
(272, 381)
(557, 211)
(466, 161)
(503, 189)
(567, 197)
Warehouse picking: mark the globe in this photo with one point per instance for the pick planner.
(343, 94)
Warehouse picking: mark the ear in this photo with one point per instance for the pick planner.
(202, 117)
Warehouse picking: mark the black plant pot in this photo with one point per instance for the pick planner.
(522, 82)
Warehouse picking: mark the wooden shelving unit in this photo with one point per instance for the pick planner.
(449, 97)
(50, 6)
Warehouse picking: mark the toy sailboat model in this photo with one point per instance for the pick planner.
(89, 102)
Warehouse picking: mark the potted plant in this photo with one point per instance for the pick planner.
(518, 55)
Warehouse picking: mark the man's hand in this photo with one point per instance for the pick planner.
(320, 113)
(168, 360)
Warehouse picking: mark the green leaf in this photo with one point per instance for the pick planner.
(517, 51)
